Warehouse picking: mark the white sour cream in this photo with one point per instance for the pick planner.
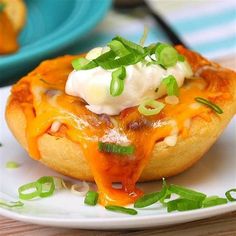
(140, 83)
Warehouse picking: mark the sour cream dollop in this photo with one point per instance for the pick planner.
(141, 83)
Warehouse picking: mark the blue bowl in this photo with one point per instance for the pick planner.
(51, 27)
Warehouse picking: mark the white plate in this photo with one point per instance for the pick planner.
(213, 175)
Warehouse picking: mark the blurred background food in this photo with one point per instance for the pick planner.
(12, 20)
(57, 27)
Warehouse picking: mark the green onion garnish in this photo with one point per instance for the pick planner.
(171, 85)
(117, 82)
(187, 193)
(208, 103)
(182, 204)
(11, 204)
(144, 36)
(181, 58)
(91, 198)
(151, 198)
(150, 107)
(229, 195)
(118, 48)
(44, 182)
(166, 55)
(2, 6)
(83, 64)
(29, 191)
(116, 148)
(120, 209)
(130, 45)
(12, 165)
(213, 201)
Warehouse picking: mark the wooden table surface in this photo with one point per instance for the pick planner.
(217, 226)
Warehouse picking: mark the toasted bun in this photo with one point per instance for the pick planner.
(66, 157)
(16, 11)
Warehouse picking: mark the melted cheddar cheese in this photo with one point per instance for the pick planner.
(41, 95)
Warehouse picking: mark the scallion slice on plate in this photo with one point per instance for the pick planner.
(228, 194)
(91, 198)
(121, 209)
(30, 190)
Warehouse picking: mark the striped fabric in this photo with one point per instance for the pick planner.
(207, 26)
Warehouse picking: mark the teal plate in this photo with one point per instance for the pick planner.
(51, 27)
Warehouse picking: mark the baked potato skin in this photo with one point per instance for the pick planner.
(66, 157)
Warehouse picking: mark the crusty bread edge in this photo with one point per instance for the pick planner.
(66, 157)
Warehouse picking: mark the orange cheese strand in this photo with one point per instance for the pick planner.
(49, 103)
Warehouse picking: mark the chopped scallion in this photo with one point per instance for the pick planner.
(2, 6)
(229, 195)
(213, 201)
(120, 209)
(10, 204)
(150, 107)
(168, 56)
(171, 85)
(12, 165)
(208, 103)
(118, 48)
(83, 64)
(91, 198)
(187, 193)
(130, 45)
(116, 149)
(29, 191)
(182, 204)
(44, 182)
(151, 198)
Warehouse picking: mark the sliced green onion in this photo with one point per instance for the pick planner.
(120, 73)
(110, 55)
(44, 182)
(181, 58)
(29, 191)
(213, 201)
(159, 48)
(83, 64)
(129, 59)
(208, 103)
(115, 148)
(116, 87)
(150, 107)
(151, 49)
(229, 195)
(171, 85)
(2, 6)
(120, 209)
(91, 198)
(12, 165)
(187, 193)
(167, 57)
(11, 204)
(182, 204)
(130, 45)
(118, 48)
(151, 198)
(144, 36)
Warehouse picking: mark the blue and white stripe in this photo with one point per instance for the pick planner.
(208, 27)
